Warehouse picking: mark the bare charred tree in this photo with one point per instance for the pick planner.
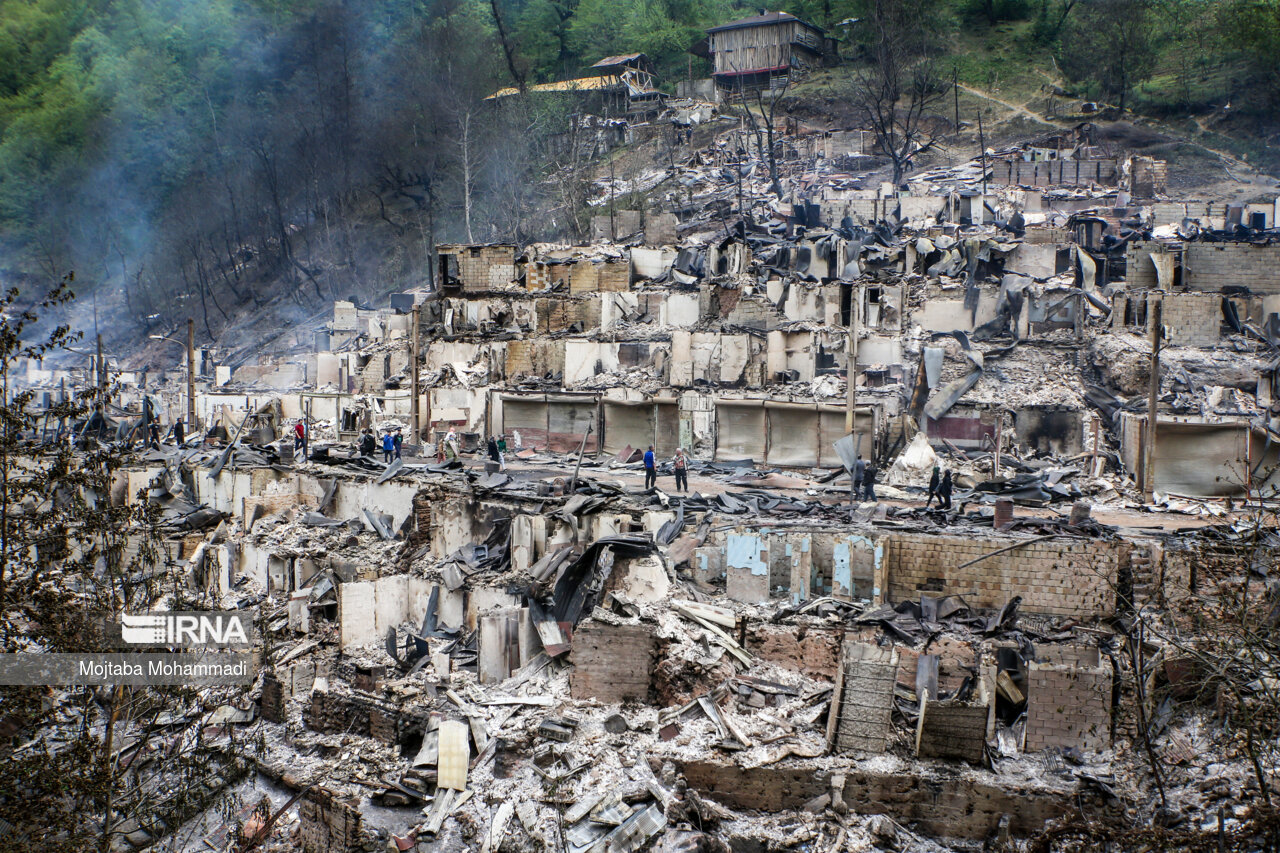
(762, 126)
(899, 84)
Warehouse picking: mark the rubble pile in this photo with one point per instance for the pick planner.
(893, 606)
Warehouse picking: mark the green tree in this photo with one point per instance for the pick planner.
(1253, 26)
(1110, 45)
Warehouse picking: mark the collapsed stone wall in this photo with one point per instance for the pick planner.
(964, 807)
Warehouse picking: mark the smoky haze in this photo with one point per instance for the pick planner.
(249, 160)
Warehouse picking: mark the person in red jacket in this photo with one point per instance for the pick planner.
(300, 438)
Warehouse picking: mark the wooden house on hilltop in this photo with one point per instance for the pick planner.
(764, 51)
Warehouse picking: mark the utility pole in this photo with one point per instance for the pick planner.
(102, 377)
(955, 87)
(1093, 457)
(1154, 321)
(995, 458)
(982, 142)
(191, 376)
(413, 376)
(852, 371)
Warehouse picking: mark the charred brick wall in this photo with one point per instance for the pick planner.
(611, 663)
(329, 823)
(272, 699)
(812, 651)
(336, 712)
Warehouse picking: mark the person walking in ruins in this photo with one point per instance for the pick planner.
(368, 444)
(650, 468)
(944, 491)
(300, 438)
(502, 453)
(859, 468)
(388, 447)
(934, 480)
(179, 433)
(397, 442)
(492, 447)
(680, 463)
(869, 481)
(451, 445)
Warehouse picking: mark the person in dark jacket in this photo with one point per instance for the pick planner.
(869, 481)
(397, 441)
(934, 479)
(859, 468)
(368, 444)
(492, 447)
(179, 433)
(650, 468)
(944, 491)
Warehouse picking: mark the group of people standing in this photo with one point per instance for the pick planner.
(864, 483)
(864, 478)
(391, 443)
(679, 464)
(178, 431)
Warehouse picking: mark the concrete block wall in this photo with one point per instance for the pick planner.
(1193, 319)
(1045, 173)
(1140, 273)
(537, 276)
(1058, 578)
(753, 311)
(611, 663)
(373, 376)
(1213, 266)
(486, 267)
(329, 823)
(587, 276)
(270, 504)
(344, 316)
(619, 226)
(660, 228)
(1068, 705)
